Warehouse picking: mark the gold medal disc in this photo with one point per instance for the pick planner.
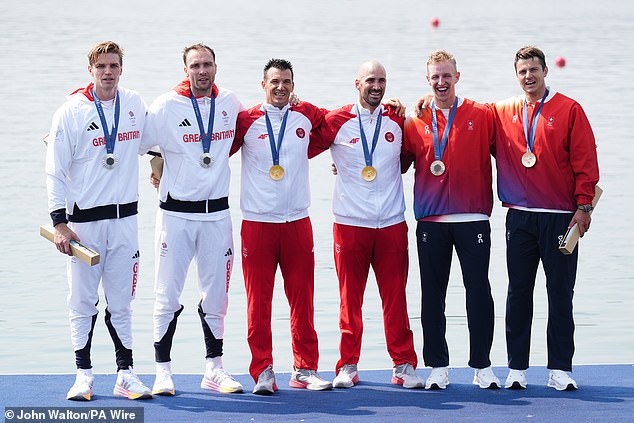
(437, 167)
(276, 172)
(529, 159)
(368, 173)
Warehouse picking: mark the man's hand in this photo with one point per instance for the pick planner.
(423, 103)
(399, 108)
(154, 180)
(62, 238)
(294, 99)
(582, 219)
(333, 168)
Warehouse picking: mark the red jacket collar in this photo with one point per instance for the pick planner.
(184, 87)
(85, 91)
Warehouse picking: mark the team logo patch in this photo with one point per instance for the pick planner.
(427, 131)
(469, 125)
(132, 118)
(389, 137)
(551, 121)
(300, 132)
(225, 117)
(163, 249)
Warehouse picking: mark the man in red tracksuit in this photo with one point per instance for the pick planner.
(365, 140)
(276, 230)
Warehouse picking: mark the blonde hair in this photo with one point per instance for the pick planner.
(439, 56)
(104, 47)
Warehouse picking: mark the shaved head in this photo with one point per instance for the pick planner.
(369, 67)
(371, 82)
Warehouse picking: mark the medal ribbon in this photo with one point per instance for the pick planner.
(110, 137)
(439, 150)
(364, 141)
(530, 134)
(205, 137)
(275, 149)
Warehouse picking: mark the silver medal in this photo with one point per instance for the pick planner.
(110, 161)
(206, 160)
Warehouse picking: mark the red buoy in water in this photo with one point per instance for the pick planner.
(435, 22)
(560, 62)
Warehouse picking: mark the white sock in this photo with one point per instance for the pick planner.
(214, 363)
(85, 372)
(166, 367)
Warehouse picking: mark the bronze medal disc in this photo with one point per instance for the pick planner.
(437, 168)
(276, 172)
(529, 159)
(368, 173)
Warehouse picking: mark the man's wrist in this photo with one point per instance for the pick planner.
(585, 207)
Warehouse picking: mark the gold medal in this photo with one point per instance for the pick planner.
(368, 173)
(529, 159)
(276, 172)
(437, 167)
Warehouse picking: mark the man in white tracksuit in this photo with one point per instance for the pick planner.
(193, 125)
(92, 183)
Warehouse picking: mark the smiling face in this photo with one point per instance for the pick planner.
(371, 82)
(442, 78)
(278, 85)
(106, 72)
(200, 68)
(531, 75)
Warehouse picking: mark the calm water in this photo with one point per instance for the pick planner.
(43, 47)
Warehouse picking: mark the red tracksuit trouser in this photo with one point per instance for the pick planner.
(264, 246)
(385, 249)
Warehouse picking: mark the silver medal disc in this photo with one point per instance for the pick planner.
(206, 160)
(109, 161)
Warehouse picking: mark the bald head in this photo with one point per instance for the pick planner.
(371, 82)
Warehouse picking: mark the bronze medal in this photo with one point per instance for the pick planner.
(368, 173)
(276, 172)
(529, 159)
(437, 167)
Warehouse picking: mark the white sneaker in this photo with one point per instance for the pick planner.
(130, 386)
(561, 381)
(308, 379)
(486, 379)
(82, 388)
(163, 383)
(266, 382)
(347, 377)
(438, 379)
(404, 374)
(516, 379)
(218, 379)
